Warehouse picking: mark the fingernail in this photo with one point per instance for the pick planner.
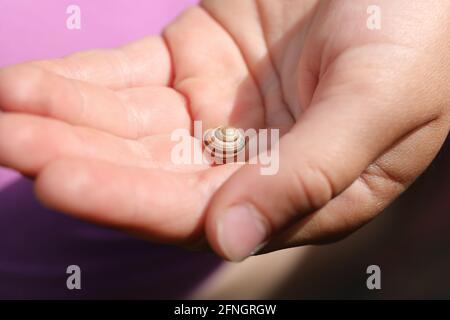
(241, 231)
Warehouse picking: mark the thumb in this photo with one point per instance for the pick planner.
(333, 142)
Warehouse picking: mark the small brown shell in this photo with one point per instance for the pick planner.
(224, 144)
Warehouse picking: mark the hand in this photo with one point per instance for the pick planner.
(362, 114)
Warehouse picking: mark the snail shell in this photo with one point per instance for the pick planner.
(224, 144)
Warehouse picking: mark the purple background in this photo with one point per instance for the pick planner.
(36, 245)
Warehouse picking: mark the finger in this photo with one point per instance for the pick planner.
(28, 143)
(373, 191)
(164, 206)
(130, 113)
(260, 47)
(214, 77)
(141, 63)
(340, 134)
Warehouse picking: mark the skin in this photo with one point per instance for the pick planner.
(361, 112)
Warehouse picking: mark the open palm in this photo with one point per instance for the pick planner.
(94, 127)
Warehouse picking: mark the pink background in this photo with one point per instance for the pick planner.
(31, 29)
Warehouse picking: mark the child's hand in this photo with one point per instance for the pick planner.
(363, 112)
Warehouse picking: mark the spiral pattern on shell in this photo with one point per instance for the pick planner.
(224, 144)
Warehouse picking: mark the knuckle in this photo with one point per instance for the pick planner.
(312, 188)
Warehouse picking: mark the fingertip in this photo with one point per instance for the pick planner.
(240, 231)
(17, 84)
(235, 228)
(19, 138)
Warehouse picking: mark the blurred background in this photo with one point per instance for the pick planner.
(410, 241)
